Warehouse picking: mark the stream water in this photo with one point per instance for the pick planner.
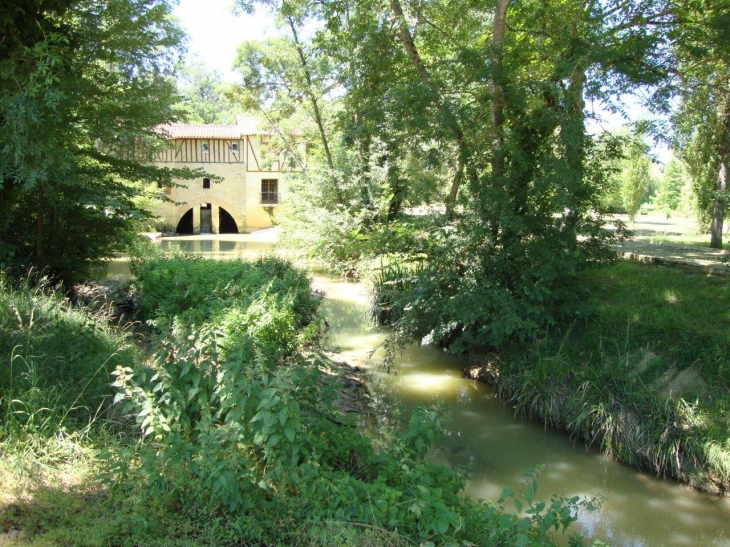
(639, 510)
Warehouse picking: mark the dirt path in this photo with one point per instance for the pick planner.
(653, 242)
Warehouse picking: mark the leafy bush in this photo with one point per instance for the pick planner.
(268, 445)
(196, 290)
(473, 289)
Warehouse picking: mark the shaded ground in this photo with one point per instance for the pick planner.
(659, 240)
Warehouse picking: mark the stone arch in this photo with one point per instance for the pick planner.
(192, 204)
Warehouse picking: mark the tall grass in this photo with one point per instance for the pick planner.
(55, 375)
(390, 284)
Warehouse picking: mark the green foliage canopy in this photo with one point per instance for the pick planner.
(204, 94)
(635, 174)
(82, 83)
(491, 96)
(702, 123)
(673, 180)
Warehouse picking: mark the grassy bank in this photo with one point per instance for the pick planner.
(645, 376)
(56, 414)
(222, 433)
(55, 392)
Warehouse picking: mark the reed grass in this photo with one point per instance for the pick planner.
(390, 283)
(55, 380)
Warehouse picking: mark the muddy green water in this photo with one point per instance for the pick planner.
(639, 510)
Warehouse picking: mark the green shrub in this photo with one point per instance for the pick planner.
(196, 290)
(268, 446)
(477, 289)
(389, 283)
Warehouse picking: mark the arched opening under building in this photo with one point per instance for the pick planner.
(185, 226)
(206, 218)
(226, 223)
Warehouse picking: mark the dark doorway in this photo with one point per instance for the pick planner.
(227, 224)
(185, 226)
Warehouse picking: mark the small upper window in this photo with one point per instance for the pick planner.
(206, 183)
(234, 147)
(205, 147)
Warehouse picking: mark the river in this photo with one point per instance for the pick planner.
(639, 510)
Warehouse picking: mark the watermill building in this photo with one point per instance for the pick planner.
(252, 172)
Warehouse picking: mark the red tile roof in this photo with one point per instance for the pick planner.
(245, 125)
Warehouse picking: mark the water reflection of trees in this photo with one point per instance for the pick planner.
(348, 317)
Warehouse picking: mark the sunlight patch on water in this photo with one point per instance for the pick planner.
(433, 384)
(341, 291)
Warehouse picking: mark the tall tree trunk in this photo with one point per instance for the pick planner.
(397, 190)
(294, 153)
(718, 213)
(364, 149)
(573, 132)
(315, 106)
(452, 124)
(451, 200)
(497, 108)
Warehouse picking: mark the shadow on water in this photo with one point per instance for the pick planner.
(640, 510)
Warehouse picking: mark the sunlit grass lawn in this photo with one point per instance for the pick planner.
(658, 228)
(680, 319)
(645, 376)
(659, 303)
(701, 240)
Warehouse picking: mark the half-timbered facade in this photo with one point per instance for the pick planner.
(253, 177)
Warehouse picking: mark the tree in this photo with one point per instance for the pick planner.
(701, 43)
(498, 88)
(282, 76)
(205, 97)
(85, 83)
(635, 175)
(672, 182)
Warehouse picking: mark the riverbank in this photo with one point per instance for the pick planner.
(227, 430)
(644, 378)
